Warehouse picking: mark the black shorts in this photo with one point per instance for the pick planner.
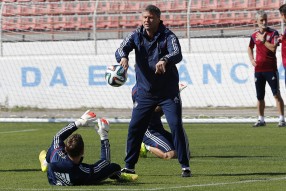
(272, 78)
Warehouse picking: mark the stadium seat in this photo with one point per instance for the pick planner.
(10, 9)
(179, 20)
(210, 18)
(274, 17)
(9, 23)
(123, 7)
(252, 4)
(271, 4)
(208, 5)
(53, 8)
(112, 22)
(225, 18)
(130, 21)
(114, 6)
(243, 5)
(165, 6)
(196, 19)
(26, 9)
(41, 9)
(224, 5)
(70, 22)
(174, 20)
(167, 19)
(56, 22)
(101, 22)
(179, 6)
(242, 18)
(259, 5)
(70, 7)
(85, 7)
(196, 5)
(25, 23)
(129, 7)
(85, 22)
(107, 7)
(41, 23)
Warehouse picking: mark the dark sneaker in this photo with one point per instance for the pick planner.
(129, 171)
(186, 173)
(281, 124)
(259, 124)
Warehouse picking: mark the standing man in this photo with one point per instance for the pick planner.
(157, 51)
(265, 65)
(63, 161)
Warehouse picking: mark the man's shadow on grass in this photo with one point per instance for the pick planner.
(104, 182)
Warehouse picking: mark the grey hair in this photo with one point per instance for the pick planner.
(260, 13)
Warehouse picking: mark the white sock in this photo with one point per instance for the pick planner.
(261, 118)
(147, 147)
(45, 163)
(281, 118)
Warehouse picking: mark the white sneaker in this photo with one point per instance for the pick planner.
(103, 128)
(281, 123)
(87, 119)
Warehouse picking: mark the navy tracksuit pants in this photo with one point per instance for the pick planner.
(142, 112)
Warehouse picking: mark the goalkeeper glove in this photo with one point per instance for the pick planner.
(87, 119)
(102, 128)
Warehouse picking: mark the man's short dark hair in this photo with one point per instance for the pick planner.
(74, 145)
(154, 10)
(282, 9)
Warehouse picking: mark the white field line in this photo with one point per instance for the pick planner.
(152, 189)
(116, 120)
(20, 131)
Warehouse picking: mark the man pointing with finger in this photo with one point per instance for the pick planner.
(157, 51)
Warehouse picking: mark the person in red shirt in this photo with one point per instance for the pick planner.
(265, 67)
(282, 38)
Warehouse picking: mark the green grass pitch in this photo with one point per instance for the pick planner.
(224, 157)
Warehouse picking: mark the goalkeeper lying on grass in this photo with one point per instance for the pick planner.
(63, 161)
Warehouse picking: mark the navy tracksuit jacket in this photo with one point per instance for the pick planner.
(154, 89)
(63, 172)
